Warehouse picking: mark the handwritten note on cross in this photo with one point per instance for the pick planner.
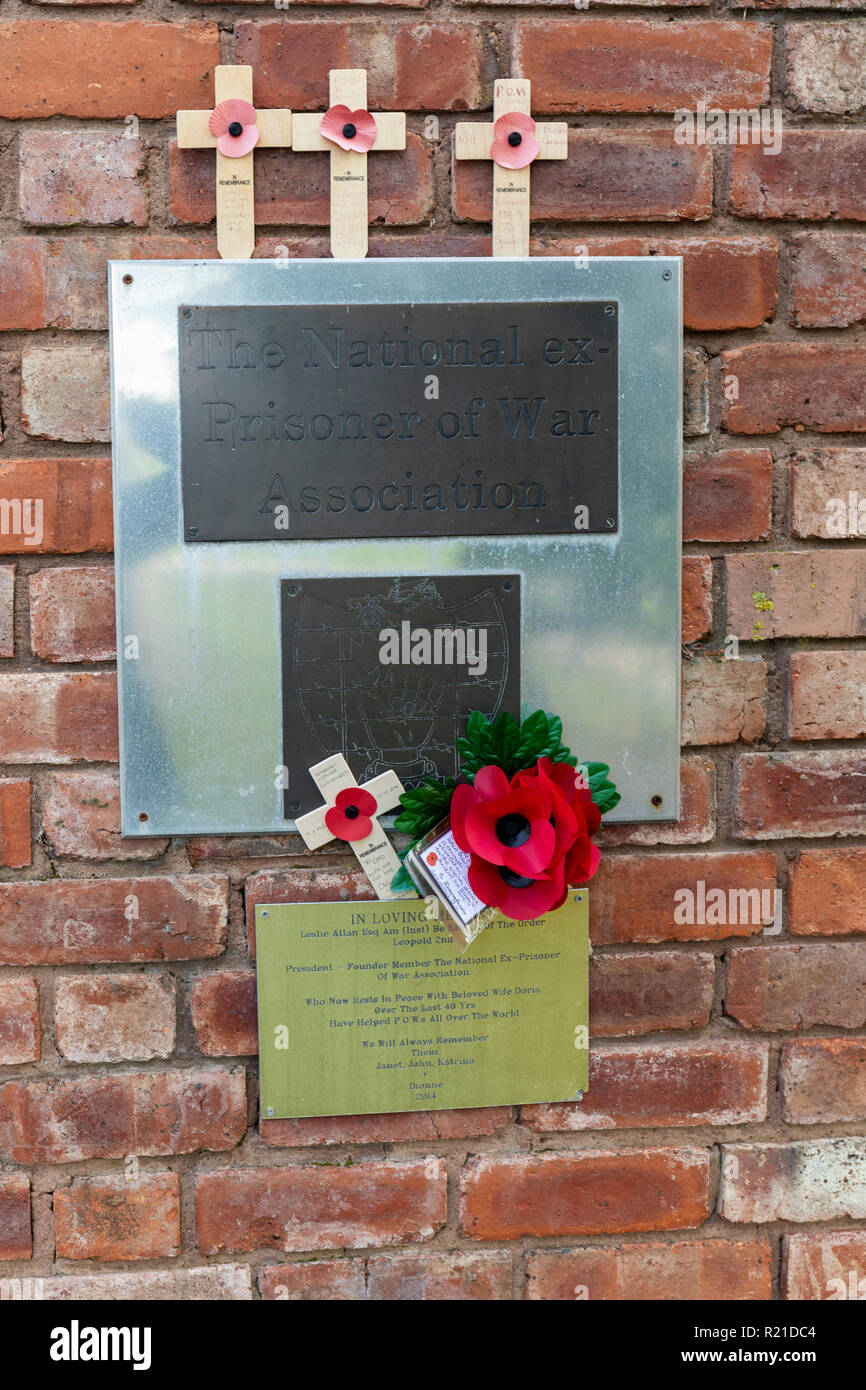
(235, 208)
(511, 95)
(349, 214)
(373, 850)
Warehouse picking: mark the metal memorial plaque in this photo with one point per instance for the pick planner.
(309, 422)
(386, 671)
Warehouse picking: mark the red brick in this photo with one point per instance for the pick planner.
(697, 597)
(52, 1121)
(72, 613)
(816, 174)
(589, 64)
(224, 1013)
(418, 67)
(68, 177)
(584, 1193)
(821, 388)
(827, 694)
(15, 822)
(76, 271)
(649, 991)
(802, 593)
(825, 67)
(302, 885)
(7, 610)
(65, 393)
(728, 495)
(792, 987)
(440, 1275)
(101, 68)
(114, 1018)
(314, 1281)
(723, 701)
(81, 818)
(19, 1022)
(609, 176)
(822, 1265)
(697, 822)
(656, 1087)
(823, 1080)
(76, 504)
(684, 1270)
(829, 476)
(633, 895)
(117, 1218)
(220, 1282)
(320, 1208)
(15, 1239)
(828, 281)
(412, 1126)
(84, 921)
(809, 794)
(823, 1180)
(22, 283)
(206, 849)
(827, 892)
(54, 718)
(696, 392)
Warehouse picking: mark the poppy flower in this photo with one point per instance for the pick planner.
(504, 823)
(514, 143)
(351, 130)
(233, 122)
(349, 817)
(519, 896)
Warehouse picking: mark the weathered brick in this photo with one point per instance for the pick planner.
(589, 64)
(114, 1018)
(584, 1193)
(802, 593)
(302, 885)
(224, 1013)
(118, 1218)
(52, 1121)
(440, 1275)
(103, 69)
(75, 512)
(314, 1281)
(69, 177)
(222, 1282)
(697, 822)
(828, 493)
(682, 1270)
(827, 892)
(723, 701)
(809, 794)
(697, 597)
(826, 67)
(823, 1080)
(649, 991)
(816, 174)
(823, 1180)
(728, 495)
(91, 921)
(7, 610)
(81, 818)
(65, 393)
(207, 849)
(696, 393)
(414, 1126)
(609, 176)
(821, 388)
(320, 1208)
(828, 280)
(72, 613)
(827, 694)
(647, 1087)
(786, 987)
(22, 283)
(49, 717)
(638, 897)
(15, 822)
(15, 1239)
(819, 1265)
(19, 1022)
(76, 278)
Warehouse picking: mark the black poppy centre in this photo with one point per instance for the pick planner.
(515, 138)
(350, 131)
(236, 128)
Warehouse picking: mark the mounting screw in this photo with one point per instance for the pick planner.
(609, 309)
(610, 522)
(656, 800)
(270, 1110)
(142, 815)
(578, 897)
(192, 530)
(127, 279)
(667, 274)
(265, 912)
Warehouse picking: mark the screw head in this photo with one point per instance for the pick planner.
(667, 274)
(610, 522)
(609, 309)
(656, 800)
(192, 530)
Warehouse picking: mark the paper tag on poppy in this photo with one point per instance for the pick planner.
(437, 863)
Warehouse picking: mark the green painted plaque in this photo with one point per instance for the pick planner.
(368, 1007)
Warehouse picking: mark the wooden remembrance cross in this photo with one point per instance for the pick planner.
(349, 215)
(375, 853)
(511, 96)
(235, 207)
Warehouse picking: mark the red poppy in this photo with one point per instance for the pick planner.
(233, 122)
(518, 896)
(506, 824)
(351, 130)
(349, 817)
(514, 143)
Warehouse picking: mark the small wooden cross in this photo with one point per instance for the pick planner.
(349, 215)
(235, 207)
(510, 186)
(374, 851)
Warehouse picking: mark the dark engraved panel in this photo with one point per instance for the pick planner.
(385, 671)
(361, 421)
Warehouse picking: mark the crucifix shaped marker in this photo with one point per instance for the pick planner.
(349, 131)
(350, 814)
(234, 129)
(513, 141)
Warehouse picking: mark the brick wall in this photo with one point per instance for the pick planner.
(721, 1150)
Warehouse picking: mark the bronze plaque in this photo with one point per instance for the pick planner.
(362, 421)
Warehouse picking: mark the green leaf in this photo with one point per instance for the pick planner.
(510, 745)
(402, 881)
(424, 806)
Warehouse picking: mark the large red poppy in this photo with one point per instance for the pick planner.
(519, 896)
(349, 817)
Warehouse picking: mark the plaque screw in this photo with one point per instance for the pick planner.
(192, 530)
(610, 522)
(270, 1110)
(666, 274)
(127, 279)
(609, 309)
(656, 800)
(265, 912)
